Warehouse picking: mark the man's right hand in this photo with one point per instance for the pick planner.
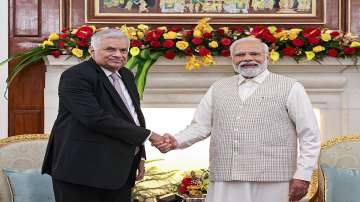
(155, 138)
(168, 144)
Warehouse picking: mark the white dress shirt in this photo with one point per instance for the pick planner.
(128, 101)
(300, 112)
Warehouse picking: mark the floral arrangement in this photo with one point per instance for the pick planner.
(200, 44)
(195, 184)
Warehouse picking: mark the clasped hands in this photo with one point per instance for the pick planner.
(163, 143)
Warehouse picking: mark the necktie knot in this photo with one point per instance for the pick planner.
(115, 77)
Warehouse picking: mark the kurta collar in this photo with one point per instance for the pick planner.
(258, 79)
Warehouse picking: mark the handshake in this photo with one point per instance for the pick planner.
(163, 143)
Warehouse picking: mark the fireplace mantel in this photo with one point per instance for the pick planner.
(332, 84)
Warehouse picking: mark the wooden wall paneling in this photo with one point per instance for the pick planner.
(26, 17)
(29, 119)
(29, 22)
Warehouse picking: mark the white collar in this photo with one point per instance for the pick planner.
(258, 79)
(108, 72)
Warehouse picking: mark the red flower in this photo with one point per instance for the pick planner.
(237, 29)
(135, 43)
(207, 35)
(155, 44)
(225, 53)
(65, 30)
(289, 51)
(186, 181)
(63, 36)
(335, 34)
(84, 32)
(279, 29)
(349, 51)
(204, 52)
(83, 43)
(313, 41)
(182, 189)
(258, 31)
(225, 41)
(56, 53)
(153, 35)
(196, 41)
(174, 29)
(311, 32)
(61, 44)
(169, 55)
(189, 33)
(220, 32)
(332, 52)
(269, 38)
(188, 51)
(297, 42)
(168, 43)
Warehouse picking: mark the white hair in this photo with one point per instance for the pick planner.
(107, 33)
(235, 43)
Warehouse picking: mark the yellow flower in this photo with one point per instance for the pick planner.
(208, 60)
(77, 52)
(355, 44)
(53, 37)
(213, 44)
(319, 48)
(93, 27)
(140, 35)
(197, 33)
(326, 37)
(47, 43)
(74, 31)
(192, 63)
(283, 35)
(170, 35)
(226, 29)
(293, 33)
(182, 45)
(209, 29)
(143, 27)
(295, 30)
(309, 55)
(272, 29)
(163, 28)
(274, 56)
(134, 51)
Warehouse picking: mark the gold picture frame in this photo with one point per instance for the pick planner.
(190, 11)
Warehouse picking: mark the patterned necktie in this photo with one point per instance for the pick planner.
(117, 86)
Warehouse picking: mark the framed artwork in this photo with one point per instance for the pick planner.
(190, 11)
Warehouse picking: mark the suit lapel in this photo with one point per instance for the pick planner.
(114, 94)
(133, 95)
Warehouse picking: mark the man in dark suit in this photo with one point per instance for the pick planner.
(96, 144)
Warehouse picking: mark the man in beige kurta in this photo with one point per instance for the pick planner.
(257, 121)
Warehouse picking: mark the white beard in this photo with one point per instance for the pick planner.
(251, 72)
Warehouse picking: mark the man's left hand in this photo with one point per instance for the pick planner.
(297, 189)
(141, 170)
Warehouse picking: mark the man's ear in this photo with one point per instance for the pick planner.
(91, 51)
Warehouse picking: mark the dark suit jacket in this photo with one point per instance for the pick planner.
(94, 137)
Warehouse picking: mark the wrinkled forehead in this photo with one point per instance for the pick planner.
(249, 46)
(114, 42)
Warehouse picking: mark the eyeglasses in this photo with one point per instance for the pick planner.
(113, 51)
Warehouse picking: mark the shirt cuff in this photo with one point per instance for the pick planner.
(302, 174)
(143, 159)
(148, 137)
